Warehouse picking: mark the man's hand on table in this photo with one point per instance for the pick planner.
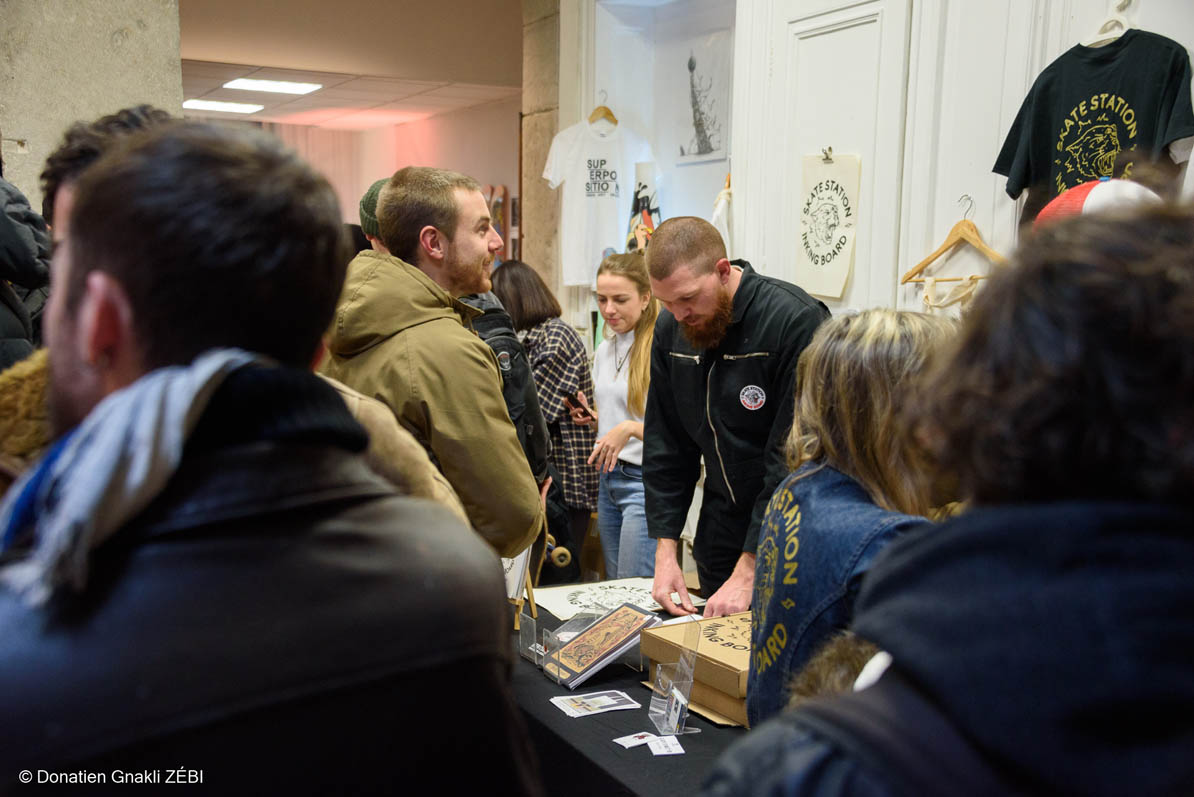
(735, 595)
(669, 579)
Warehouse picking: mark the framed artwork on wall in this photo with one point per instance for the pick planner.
(702, 109)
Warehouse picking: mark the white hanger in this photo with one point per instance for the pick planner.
(1111, 28)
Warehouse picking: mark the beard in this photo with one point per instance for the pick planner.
(707, 334)
(470, 277)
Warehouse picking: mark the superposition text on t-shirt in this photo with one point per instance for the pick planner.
(603, 180)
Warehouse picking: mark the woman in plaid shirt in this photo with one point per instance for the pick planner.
(560, 365)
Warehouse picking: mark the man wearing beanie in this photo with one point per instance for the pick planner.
(402, 335)
(369, 214)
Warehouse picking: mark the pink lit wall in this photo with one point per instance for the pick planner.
(481, 142)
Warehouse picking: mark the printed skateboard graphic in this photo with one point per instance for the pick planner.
(598, 645)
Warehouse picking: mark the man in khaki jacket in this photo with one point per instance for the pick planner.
(400, 335)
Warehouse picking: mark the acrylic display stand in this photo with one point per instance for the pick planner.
(529, 645)
(673, 687)
(551, 641)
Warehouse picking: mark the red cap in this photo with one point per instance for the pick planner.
(1101, 194)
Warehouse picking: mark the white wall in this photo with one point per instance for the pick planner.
(972, 65)
(635, 52)
(969, 66)
(819, 74)
(610, 53)
(689, 189)
(624, 67)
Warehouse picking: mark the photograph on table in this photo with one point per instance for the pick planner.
(595, 703)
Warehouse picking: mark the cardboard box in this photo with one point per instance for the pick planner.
(723, 658)
(723, 650)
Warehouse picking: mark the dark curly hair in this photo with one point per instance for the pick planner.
(84, 142)
(1073, 377)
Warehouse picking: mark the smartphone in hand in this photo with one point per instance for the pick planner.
(572, 401)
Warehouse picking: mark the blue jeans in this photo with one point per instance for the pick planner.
(622, 523)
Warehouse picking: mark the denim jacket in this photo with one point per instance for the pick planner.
(819, 536)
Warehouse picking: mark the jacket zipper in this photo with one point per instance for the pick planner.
(716, 445)
(746, 356)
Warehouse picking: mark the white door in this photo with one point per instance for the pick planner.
(834, 74)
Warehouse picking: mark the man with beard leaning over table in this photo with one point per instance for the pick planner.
(723, 366)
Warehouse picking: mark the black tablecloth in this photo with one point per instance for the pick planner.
(578, 756)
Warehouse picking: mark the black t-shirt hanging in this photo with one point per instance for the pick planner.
(1090, 105)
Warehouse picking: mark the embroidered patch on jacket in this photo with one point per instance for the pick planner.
(504, 360)
(752, 397)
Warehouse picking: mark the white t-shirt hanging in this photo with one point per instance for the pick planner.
(595, 164)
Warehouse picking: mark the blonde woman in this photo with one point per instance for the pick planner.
(621, 375)
(856, 486)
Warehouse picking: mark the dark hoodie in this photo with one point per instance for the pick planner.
(24, 274)
(1058, 640)
(16, 328)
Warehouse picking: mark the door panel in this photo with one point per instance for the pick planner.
(837, 78)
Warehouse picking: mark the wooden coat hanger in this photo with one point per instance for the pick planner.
(963, 232)
(602, 111)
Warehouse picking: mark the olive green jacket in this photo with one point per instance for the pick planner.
(399, 337)
(395, 453)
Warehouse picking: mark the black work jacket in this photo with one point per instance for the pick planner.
(277, 618)
(731, 404)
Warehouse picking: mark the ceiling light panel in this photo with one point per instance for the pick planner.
(223, 107)
(274, 86)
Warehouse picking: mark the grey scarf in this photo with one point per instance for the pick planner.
(108, 470)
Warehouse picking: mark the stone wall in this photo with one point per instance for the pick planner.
(61, 62)
(540, 224)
